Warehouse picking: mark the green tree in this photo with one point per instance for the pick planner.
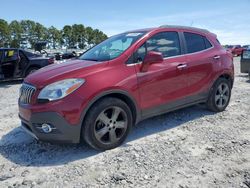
(15, 34)
(4, 33)
(78, 36)
(67, 36)
(54, 37)
(26, 33)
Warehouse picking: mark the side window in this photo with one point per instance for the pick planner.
(166, 42)
(195, 42)
(10, 55)
(140, 54)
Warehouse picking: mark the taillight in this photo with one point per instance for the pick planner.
(51, 60)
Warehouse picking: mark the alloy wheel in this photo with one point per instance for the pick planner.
(110, 125)
(222, 95)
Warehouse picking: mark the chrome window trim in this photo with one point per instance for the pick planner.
(193, 53)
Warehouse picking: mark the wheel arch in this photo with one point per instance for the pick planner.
(228, 77)
(120, 94)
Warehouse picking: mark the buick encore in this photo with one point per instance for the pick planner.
(123, 80)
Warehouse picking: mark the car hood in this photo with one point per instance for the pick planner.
(68, 69)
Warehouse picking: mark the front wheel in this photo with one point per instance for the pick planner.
(107, 124)
(219, 96)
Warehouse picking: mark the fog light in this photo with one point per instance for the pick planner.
(46, 128)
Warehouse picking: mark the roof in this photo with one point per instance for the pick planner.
(173, 27)
(185, 27)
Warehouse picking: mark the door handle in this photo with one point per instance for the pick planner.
(182, 66)
(216, 57)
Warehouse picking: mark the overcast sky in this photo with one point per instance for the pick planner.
(229, 19)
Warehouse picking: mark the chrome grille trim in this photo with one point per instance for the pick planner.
(26, 93)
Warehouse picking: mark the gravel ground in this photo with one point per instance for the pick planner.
(191, 147)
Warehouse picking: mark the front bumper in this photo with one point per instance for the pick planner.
(62, 131)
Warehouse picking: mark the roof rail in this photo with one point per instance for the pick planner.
(184, 27)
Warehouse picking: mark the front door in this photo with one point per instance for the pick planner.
(164, 83)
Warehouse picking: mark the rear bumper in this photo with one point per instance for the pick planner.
(62, 131)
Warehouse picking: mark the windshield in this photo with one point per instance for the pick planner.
(112, 47)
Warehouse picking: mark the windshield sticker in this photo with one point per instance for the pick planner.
(10, 53)
(133, 34)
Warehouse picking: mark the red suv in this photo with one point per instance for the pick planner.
(123, 80)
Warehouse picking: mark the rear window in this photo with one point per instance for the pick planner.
(196, 42)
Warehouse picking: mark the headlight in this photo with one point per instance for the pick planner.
(60, 89)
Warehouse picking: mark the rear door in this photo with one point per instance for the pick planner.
(165, 82)
(200, 59)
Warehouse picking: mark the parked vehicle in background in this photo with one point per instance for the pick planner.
(123, 80)
(69, 55)
(246, 47)
(18, 63)
(58, 56)
(245, 62)
(237, 50)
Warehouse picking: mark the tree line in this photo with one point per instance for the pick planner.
(26, 33)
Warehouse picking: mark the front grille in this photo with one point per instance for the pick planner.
(26, 93)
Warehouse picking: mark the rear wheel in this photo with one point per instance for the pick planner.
(219, 96)
(107, 124)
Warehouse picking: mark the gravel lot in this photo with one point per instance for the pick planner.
(187, 148)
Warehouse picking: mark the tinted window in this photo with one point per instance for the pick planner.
(196, 42)
(166, 42)
(10, 55)
(140, 54)
(207, 43)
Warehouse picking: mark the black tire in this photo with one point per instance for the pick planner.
(102, 128)
(31, 70)
(249, 74)
(219, 95)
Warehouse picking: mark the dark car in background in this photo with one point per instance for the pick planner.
(245, 62)
(69, 55)
(58, 56)
(18, 63)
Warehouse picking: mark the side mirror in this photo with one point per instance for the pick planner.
(151, 58)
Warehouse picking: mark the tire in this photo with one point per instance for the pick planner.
(107, 124)
(219, 95)
(249, 74)
(31, 70)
